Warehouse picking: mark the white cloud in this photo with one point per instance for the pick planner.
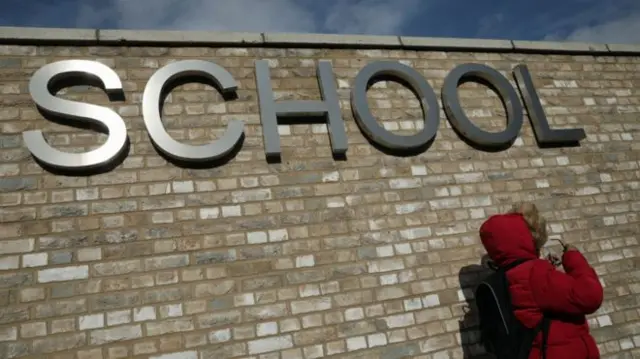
(601, 22)
(623, 30)
(370, 17)
(334, 16)
(489, 25)
(245, 15)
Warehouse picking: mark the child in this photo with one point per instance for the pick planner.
(536, 286)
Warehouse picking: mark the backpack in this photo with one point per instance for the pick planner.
(501, 333)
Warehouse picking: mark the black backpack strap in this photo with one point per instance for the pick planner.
(513, 264)
(542, 327)
(546, 325)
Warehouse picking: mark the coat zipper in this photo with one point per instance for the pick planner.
(586, 347)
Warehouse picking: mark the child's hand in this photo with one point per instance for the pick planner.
(570, 247)
(554, 259)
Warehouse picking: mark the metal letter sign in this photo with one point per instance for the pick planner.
(151, 111)
(329, 107)
(459, 119)
(44, 84)
(544, 134)
(104, 118)
(371, 128)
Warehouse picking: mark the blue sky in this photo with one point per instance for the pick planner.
(611, 21)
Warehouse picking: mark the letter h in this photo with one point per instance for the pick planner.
(328, 107)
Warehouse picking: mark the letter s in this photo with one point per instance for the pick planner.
(103, 118)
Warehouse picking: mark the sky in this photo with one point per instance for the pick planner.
(603, 21)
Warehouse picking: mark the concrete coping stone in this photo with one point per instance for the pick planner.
(134, 37)
(332, 40)
(455, 43)
(18, 35)
(53, 36)
(624, 48)
(556, 46)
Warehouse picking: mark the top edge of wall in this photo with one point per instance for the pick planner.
(59, 36)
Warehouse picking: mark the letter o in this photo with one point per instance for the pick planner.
(371, 128)
(460, 121)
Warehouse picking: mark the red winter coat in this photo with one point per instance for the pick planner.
(537, 286)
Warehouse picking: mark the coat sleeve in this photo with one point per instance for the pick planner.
(576, 292)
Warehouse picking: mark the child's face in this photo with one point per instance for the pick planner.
(538, 246)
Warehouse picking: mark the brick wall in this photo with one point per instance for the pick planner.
(313, 256)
